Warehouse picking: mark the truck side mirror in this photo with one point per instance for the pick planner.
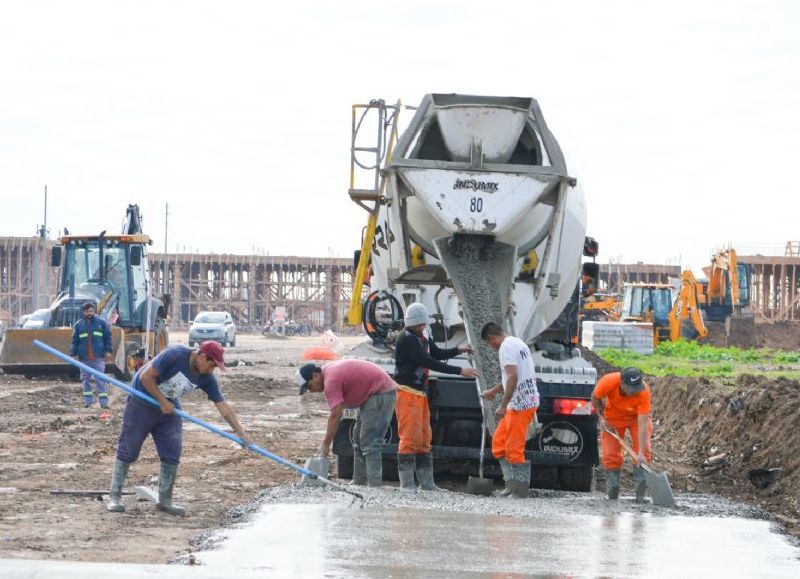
(136, 255)
(55, 257)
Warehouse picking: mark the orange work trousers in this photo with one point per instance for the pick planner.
(612, 451)
(508, 441)
(413, 423)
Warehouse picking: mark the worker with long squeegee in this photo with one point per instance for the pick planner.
(137, 395)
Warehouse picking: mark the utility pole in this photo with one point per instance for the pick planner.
(164, 261)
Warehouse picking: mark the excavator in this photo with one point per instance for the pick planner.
(727, 296)
(111, 272)
(672, 320)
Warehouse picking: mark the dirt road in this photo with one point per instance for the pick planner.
(48, 441)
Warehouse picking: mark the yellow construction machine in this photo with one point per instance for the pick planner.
(672, 319)
(111, 272)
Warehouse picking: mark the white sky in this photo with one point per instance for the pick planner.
(680, 118)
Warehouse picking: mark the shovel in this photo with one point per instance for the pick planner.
(480, 486)
(657, 482)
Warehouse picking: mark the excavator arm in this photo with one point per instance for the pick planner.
(686, 307)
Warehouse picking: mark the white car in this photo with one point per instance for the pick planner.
(216, 326)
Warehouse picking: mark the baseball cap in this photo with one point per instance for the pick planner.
(214, 351)
(632, 378)
(303, 375)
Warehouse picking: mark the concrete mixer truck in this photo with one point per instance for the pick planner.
(472, 212)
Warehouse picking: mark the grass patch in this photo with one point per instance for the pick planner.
(684, 358)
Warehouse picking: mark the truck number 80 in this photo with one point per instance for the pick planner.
(476, 204)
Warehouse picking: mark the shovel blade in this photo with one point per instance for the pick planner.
(660, 490)
(318, 465)
(480, 486)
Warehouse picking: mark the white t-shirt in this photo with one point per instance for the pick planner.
(515, 352)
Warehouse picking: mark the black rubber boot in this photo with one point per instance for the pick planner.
(406, 464)
(521, 480)
(612, 484)
(166, 483)
(425, 472)
(359, 469)
(639, 484)
(506, 468)
(115, 504)
(374, 464)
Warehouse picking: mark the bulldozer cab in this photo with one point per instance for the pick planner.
(647, 303)
(110, 272)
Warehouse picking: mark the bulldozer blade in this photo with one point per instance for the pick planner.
(482, 271)
(658, 483)
(20, 356)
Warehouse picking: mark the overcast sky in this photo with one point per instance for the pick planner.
(680, 118)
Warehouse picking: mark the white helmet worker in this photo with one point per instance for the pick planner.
(416, 314)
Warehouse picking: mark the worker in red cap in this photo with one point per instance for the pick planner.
(622, 402)
(176, 371)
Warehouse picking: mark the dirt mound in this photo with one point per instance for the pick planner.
(728, 439)
(780, 336)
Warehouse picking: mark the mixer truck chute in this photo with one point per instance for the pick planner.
(480, 187)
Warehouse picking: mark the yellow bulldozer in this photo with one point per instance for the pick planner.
(111, 272)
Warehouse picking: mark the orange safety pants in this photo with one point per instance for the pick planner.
(508, 441)
(413, 423)
(612, 451)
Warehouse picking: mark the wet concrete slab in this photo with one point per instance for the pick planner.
(334, 540)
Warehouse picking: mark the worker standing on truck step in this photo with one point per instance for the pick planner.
(355, 384)
(415, 356)
(622, 401)
(91, 344)
(516, 410)
(175, 371)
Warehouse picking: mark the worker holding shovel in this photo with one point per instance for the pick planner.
(415, 356)
(176, 371)
(622, 402)
(516, 410)
(358, 384)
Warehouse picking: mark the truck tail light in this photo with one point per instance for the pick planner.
(572, 406)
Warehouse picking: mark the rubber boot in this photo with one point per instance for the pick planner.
(425, 472)
(374, 464)
(612, 484)
(639, 484)
(359, 469)
(506, 468)
(166, 483)
(521, 479)
(405, 469)
(115, 504)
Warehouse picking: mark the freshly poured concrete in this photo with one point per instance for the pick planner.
(333, 540)
(306, 531)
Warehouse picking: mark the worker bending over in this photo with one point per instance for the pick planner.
(516, 410)
(622, 402)
(176, 371)
(415, 356)
(355, 384)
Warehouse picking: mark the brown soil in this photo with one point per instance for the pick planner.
(778, 336)
(48, 441)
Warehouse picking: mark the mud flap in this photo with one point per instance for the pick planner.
(482, 271)
(20, 356)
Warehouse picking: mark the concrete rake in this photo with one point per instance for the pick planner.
(210, 427)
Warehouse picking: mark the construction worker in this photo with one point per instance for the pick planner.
(355, 384)
(415, 356)
(91, 345)
(516, 410)
(622, 402)
(176, 371)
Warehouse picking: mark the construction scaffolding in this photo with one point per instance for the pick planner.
(775, 286)
(614, 275)
(27, 281)
(312, 290)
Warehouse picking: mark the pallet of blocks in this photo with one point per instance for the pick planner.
(636, 336)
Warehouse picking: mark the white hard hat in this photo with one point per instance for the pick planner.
(416, 314)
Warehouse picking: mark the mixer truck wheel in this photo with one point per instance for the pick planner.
(344, 466)
(160, 335)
